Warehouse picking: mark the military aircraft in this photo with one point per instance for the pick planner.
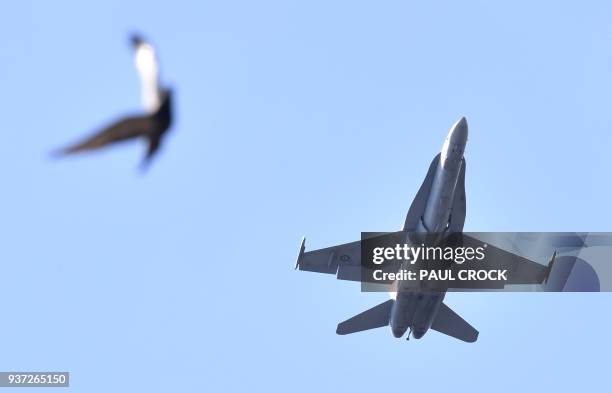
(150, 126)
(439, 208)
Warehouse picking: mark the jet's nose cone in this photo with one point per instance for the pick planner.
(461, 122)
(459, 131)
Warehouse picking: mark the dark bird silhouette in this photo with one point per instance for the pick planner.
(152, 125)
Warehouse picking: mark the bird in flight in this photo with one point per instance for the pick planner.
(150, 126)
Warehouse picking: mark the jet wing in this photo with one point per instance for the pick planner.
(520, 270)
(535, 244)
(343, 260)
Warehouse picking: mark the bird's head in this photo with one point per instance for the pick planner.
(136, 40)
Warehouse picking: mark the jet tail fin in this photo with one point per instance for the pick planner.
(377, 316)
(450, 323)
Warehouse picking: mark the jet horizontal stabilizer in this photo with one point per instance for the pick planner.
(377, 316)
(451, 324)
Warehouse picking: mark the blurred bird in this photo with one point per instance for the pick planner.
(157, 103)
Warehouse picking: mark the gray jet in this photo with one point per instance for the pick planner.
(439, 207)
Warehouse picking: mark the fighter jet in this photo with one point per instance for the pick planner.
(439, 207)
(150, 126)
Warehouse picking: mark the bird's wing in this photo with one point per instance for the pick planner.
(127, 128)
(147, 67)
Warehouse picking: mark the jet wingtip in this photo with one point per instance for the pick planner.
(301, 253)
(551, 262)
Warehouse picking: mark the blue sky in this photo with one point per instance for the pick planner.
(293, 118)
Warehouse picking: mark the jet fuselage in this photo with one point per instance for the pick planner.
(416, 309)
